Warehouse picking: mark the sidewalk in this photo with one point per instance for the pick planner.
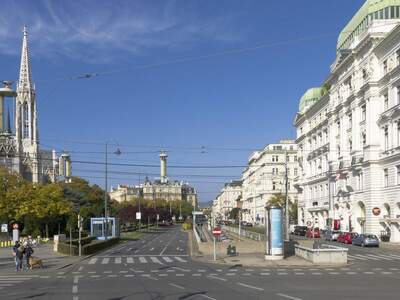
(254, 260)
(51, 260)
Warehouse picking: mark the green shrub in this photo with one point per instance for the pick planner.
(98, 245)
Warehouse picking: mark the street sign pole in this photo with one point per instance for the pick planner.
(215, 250)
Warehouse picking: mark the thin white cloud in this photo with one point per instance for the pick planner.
(99, 31)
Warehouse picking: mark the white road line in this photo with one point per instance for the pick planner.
(76, 279)
(265, 274)
(75, 298)
(143, 260)
(129, 260)
(218, 278)
(74, 289)
(205, 296)
(169, 242)
(105, 260)
(362, 257)
(379, 257)
(180, 259)
(155, 260)
(117, 260)
(167, 259)
(177, 286)
(288, 297)
(250, 286)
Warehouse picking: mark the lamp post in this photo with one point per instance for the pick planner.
(117, 152)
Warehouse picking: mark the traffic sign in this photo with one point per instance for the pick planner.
(216, 231)
(15, 226)
(4, 227)
(138, 215)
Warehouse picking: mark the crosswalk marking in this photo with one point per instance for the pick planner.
(11, 280)
(167, 259)
(375, 257)
(180, 259)
(130, 260)
(155, 260)
(105, 260)
(93, 261)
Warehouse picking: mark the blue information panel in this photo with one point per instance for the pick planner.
(276, 231)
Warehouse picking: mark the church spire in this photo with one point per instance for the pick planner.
(25, 76)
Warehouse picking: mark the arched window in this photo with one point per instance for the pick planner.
(25, 121)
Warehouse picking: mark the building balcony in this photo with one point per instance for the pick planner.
(318, 151)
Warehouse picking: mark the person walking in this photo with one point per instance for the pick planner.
(15, 251)
(28, 251)
(19, 255)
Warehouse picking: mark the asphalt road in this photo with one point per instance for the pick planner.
(158, 267)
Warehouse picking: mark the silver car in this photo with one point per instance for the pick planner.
(366, 239)
(332, 235)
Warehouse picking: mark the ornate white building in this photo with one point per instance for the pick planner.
(19, 150)
(227, 199)
(265, 177)
(348, 130)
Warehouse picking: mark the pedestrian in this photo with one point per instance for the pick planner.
(15, 251)
(19, 255)
(27, 255)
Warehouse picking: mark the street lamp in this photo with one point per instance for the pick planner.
(117, 152)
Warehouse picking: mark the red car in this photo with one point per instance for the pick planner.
(309, 233)
(346, 237)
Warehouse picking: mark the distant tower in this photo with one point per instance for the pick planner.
(163, 167)
(26, 117)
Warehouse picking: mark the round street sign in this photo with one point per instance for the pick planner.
(376, 211)
(308, 223)
(216, 231)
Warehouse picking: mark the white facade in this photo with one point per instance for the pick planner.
(265, 177)
(227, 199)
(349, 130)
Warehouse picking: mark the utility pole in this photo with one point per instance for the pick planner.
(286, 198)
(80, 234)
(105, 195)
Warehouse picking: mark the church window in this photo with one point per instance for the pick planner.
(25, 120)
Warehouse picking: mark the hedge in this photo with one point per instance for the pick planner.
(89, 248)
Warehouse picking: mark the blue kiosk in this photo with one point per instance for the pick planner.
(98, 227)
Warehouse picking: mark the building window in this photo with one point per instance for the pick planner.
(397, 174)
(295, 158)
(385, 101)
(398, 57)
(350, 145)
(295, 172)
(273, 185)
(350, 121)
(288, 185)
(360, 181)
(386, 137)
(364, 139)
(338, 150)
(385, 67)
(386, 177)
(363, 112)
(398, 133)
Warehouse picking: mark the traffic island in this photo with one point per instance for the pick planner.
(323, 254)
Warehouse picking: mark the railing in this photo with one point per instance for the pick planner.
(245, 233)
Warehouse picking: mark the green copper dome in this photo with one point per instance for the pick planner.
(374, 9)
(310, 97)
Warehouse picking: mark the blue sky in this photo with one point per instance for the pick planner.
(167, 78)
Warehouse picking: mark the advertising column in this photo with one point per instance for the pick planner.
(274, 245)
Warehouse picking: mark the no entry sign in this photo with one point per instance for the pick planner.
(216, 231)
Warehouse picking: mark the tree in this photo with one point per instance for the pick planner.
(234, 213)
(277, 200)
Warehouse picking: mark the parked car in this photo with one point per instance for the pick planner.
(300, 230)
(313, 233)
(364, 240)
(346, 237)
(332, 235)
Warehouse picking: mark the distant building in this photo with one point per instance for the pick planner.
(160, 189)
(265, 177)
(227, 199)
(19, 144)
